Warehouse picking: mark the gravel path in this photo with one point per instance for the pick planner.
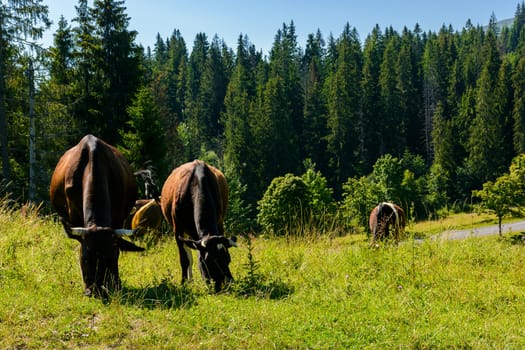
(481, 231)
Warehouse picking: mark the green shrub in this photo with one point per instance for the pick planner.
(285, 200)
(298, 205)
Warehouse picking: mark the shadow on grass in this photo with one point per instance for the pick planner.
(517, 238)
(165, 295)
(273, 290)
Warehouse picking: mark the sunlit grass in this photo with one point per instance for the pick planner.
(304, 293)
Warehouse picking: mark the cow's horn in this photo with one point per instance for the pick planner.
(125, 232)
(79, 230)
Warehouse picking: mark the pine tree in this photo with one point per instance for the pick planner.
(176, 76)
(444, 146)
(371, 101)
(86, 106)
(393, 128)
(517, 27)
(409, 86)
(471, 43)
(141, 141)
(21, 23)
(486, 157)
(504, 106)
(237, 102)
(439, 58)
(343, 94)
(54, 102)
(314, 114)
(518, 112)
(213, 89)
(117, 65)
(284, 67)
(61, 53)
(194, 112)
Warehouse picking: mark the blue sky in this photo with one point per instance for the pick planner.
(261, 19)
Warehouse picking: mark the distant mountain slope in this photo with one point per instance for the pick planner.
(505, 23)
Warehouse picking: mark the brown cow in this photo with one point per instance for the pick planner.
(93, 189)
(385, 217)
(194, 199)
(147, 217)
(146, 213)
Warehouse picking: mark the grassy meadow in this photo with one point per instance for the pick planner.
(308, 293)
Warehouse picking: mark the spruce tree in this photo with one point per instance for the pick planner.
(117, 66)
(314, 114)
(142, 144)
(237, 102)
(409, 86)
(194, 112)
(518, 111)
(371, 102)
(22, 22)
(343, 102)
(486, 157)
(284, 68)
(392, 125)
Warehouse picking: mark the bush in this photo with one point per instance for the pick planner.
(284, 201)
(359, 197)
(293, 205)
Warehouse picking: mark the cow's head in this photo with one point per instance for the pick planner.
(99, 253)
(214, 258)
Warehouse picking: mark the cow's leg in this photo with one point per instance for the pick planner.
(373, 235)
(186, 261)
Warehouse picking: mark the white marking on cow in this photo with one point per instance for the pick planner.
(220, 246)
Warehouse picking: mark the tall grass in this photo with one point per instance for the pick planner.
(317, 293)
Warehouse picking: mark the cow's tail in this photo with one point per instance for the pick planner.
(397, 222)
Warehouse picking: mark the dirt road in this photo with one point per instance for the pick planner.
(514, 227)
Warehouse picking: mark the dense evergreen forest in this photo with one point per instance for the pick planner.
(421, 118)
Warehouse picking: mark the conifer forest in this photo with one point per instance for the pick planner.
(420, 118)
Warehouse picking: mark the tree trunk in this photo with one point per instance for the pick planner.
(32, 131)
(6, 170)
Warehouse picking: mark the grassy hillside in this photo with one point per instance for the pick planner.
(317, 293)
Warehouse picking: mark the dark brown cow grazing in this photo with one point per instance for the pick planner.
(93, 190)
(194, 199)
(386, 217)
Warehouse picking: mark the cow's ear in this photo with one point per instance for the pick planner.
(127, 246)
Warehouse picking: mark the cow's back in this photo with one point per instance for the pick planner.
(93, 184)
(177, 197)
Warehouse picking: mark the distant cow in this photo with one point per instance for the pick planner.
(387, 219)
(146, 214)
(194, 199)
(148, 217)
(93, 189)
